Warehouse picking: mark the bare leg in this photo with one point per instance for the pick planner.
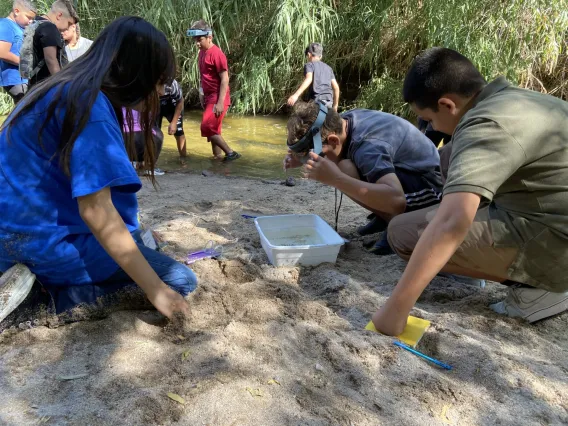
(218, 144)
(217, 152)
(181, 146)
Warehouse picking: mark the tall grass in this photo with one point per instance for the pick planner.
(369, 43)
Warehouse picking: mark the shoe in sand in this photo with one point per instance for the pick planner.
(375, 225)
(15, 285)
(531, 304)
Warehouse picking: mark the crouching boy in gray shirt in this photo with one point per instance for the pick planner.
(379, 160)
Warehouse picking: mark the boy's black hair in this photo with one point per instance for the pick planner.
(26, 4)
(439, 71)
(66, 7)
(315, 49)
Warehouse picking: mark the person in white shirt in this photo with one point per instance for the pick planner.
(75, 45)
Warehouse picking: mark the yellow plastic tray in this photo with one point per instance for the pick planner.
(413, 332)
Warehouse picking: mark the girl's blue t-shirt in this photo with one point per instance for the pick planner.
(40, 224)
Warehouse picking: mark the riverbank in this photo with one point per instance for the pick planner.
(282, 346)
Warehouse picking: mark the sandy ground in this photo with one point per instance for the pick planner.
(284, 346)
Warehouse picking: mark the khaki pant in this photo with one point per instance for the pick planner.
(476, 257)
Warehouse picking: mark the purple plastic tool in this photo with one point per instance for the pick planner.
(210, 251)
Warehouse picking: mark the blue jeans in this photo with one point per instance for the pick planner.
(176, 275)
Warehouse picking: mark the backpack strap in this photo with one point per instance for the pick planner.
(38, 67)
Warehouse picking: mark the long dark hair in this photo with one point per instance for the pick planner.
(126, 62)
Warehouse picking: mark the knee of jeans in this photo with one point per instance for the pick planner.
(182, 279)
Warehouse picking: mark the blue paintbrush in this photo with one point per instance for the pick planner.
(420, 354)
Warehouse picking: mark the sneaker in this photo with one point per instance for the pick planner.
(15, 285)
(382, 247)
(232, 156)
(157, 172)
(531, 304)
(376, 224)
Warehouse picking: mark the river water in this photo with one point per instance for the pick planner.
(261, 140)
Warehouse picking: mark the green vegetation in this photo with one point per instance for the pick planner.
(369, 43)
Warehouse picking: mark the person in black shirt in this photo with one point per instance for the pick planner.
(48, 43)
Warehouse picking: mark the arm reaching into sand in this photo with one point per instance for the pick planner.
(102, 218)
(436, 246)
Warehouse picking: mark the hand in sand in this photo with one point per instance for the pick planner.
(321, 169)
(168, 301)
(390, 319)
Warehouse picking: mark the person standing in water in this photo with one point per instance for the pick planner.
(70, 215)
(75, 45)
(214, 92)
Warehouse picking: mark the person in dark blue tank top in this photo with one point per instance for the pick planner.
(68, 199)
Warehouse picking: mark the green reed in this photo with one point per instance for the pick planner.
(369, 43)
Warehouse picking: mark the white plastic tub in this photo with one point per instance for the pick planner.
(293, 239)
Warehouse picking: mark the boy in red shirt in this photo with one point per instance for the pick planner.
(214, 91)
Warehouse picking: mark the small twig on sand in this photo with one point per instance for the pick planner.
(234, 240)
(198, 216)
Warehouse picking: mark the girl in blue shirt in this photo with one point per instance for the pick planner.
(68, 199)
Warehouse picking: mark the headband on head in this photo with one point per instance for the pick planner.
(312, 138)
(198, 33)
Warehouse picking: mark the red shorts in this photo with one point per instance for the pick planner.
(211, 124)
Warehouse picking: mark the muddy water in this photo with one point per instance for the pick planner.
(260, 140)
